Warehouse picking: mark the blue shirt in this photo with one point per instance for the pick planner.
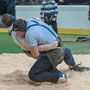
(39, 35)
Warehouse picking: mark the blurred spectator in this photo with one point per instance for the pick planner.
(63, 2)
(17, 2)
(2, 11)
(72, 2)
(36, 2)
(28, 2)
(60, 2)
(6, 6)
(49, 12)
(10, 4)
(23, 2)
(79, 2)
(2, 7)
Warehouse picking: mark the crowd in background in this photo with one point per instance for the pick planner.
(72, 2)
(8, 6)
(60, 2)
(28, 2)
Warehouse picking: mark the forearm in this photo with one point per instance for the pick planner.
(48, 47)
(43, 48)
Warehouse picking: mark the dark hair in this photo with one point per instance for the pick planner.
(20, 25)
(8, 19)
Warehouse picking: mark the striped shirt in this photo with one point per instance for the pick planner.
(49, 8)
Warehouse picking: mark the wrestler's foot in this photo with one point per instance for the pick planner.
(62, 78)
(78, 68)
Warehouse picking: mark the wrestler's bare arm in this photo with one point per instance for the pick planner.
(46, 47)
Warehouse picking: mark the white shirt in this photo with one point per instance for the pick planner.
(17, 39)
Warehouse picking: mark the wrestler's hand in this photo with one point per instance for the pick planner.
(36, 18)
(53, 19)
(43, 20)
(54, 45)
(61, 0)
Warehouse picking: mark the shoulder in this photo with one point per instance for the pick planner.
(31, 33)
(28, 21)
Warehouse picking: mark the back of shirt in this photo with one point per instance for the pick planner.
(39, 35)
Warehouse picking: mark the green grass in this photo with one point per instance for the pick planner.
(8, 46)
(70, 37)
(78, 48)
